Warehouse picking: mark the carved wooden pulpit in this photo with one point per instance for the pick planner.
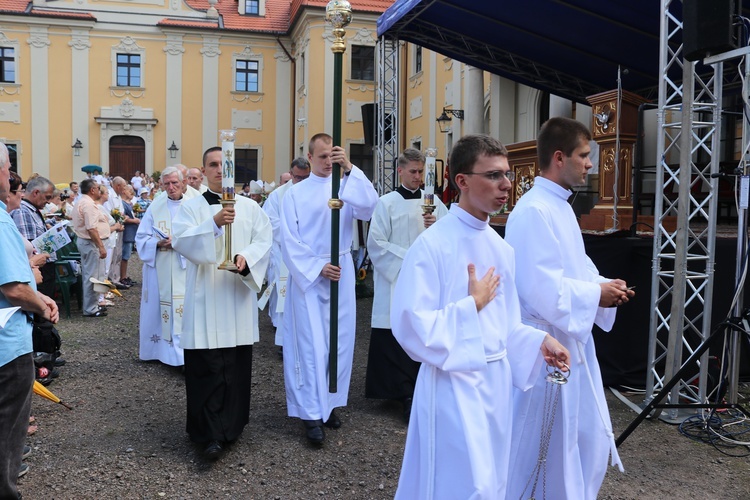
(613, 179)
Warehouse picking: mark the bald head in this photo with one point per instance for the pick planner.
(195, 178)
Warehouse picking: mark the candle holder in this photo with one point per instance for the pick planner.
(227, 193)
(428, 205)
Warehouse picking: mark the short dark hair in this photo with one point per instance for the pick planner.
(319, 137)
(16, 182)
(300, 163)
(210, 150)
(71, 184)
(409, 155)
(467, 151)
(87, 185)
(559, 134)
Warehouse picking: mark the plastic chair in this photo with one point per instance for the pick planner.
(69, 252)
(66, 278)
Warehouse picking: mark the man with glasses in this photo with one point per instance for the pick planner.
(455, 309)
(395, 225)
(30, 222)
(278, 273)
(562, 293)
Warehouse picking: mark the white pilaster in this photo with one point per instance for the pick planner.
(80, 45)
(559, 106)
(174, 50)
(502, 109)
(328, 84)
(283, 114)
(39, 43)
(210, 117)
(474, 100)
(456, 124)
(433, 111)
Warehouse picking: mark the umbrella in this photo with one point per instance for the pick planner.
(90, 169)
(62, 185)
(46, 393)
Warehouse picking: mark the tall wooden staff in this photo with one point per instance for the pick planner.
(339, 14)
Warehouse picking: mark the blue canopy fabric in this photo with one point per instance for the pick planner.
(571, 48)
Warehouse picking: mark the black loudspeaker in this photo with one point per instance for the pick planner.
(368, 123)
(708, 27)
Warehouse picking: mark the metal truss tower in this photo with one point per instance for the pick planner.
(689, 121)
(386, 102)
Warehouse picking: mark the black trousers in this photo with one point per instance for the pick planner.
(16, 380)
(217, 384)
(391, 373)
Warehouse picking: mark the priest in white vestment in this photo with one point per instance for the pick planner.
(277, 274)
(306, 247)
(562, 293)
(396, 223)
(220, 322)
(163, 292)
(455, 309)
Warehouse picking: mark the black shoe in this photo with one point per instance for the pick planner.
(26, 451)
(314, 431)
(333, 421)
(121, 286)
(98, 314)
(214, 450)
(59, 362)
(407, 409)
(54, 373)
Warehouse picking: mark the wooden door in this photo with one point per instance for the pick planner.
(126, 155)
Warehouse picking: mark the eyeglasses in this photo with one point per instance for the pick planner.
(18, 191)
(298, 178)
(495, 175)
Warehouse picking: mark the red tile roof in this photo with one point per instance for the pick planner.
(280, 14)
(377, 6)
(14, 5)
(185, 23)
(67, 14)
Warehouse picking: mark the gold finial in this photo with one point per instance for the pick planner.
(339, 14)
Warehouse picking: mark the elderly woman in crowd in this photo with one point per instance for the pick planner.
(114, 227)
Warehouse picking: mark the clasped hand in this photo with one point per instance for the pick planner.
(615, 293)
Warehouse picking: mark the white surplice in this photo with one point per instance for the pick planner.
(458, 442)
(277, 273)
(395, 225)
(221, 307)
(306, 247)
(559, 289)
(163, 286)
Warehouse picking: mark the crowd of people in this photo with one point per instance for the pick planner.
(463, 321)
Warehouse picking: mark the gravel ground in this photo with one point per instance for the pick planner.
(125, 437)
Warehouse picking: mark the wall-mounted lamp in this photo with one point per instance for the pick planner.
(173, 150)
(77, 147)
(444, 120)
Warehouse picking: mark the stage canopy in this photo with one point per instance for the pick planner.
(571, 48)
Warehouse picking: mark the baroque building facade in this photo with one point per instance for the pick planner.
(127, 80)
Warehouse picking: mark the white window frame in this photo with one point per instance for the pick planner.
(351, 65)
(261, 8)
(414, 70)
(128, 46)
(247, 55)
(6, 42)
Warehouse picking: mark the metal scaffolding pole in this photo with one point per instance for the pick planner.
(386, 100)
(689, 120)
